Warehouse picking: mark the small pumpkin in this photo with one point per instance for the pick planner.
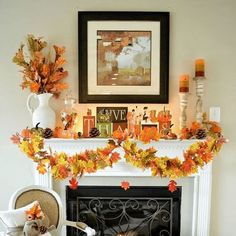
(37, 130)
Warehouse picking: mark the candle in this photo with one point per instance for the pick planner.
(184, 84)
(199, 68)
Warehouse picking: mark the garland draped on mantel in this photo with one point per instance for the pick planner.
(62, 165)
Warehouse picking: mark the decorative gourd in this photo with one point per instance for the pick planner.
(37, 130)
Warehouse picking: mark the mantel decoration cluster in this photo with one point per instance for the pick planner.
(62, 165)
(42, 75)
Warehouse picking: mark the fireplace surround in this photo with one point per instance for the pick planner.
(111, 211)
(194, 222)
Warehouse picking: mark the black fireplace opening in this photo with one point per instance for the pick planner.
(112, 211)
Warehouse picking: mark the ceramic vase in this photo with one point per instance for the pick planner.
(42, 114)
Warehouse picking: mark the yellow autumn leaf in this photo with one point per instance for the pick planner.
(41, 168)
(127, 145)
(26, 147)
(194, 147)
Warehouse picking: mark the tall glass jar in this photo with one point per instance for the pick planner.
(69, 113)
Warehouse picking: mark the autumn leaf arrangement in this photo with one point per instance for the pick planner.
(42, 71)
(63, 165)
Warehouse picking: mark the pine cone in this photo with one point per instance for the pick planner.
(47, 133)
(79, 134)
(201, 134)
(94, 132)
(43, 229)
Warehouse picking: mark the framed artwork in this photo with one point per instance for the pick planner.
(123, 57)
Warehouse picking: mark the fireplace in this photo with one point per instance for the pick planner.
(196, 190)
(112, 211)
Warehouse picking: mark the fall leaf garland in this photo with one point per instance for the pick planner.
(63, 165)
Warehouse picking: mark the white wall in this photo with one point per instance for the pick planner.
(203, 28)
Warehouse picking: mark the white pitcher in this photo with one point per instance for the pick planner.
(43, 114)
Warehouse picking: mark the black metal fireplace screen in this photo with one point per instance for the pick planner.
(111, 211)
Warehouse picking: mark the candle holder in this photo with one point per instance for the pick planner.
(199, 92)
(183, 109)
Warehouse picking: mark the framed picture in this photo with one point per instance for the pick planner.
(123, 57)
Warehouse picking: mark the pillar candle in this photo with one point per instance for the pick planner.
(184, 84)
(199, 67)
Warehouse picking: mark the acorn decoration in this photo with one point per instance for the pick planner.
(201, 134)
(94, 132)
(47, 133)
(37, 130)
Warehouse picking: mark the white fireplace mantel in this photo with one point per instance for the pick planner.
(170, 148)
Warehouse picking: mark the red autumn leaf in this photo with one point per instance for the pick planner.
(62, 171)
(73, 183)
(115, 156)
(15, 139)
(83, 157)
(106, 151)
(125, 185)
(172, 186)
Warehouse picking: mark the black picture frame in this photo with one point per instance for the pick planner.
(161, 19)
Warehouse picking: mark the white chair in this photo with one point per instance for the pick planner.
(51, 205)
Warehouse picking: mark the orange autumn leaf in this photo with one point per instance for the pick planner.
(73, 183)
(215, 128)
(35, 212)
(59, 50)
(188, 165)
(41, 168)
(31, 151)
(34, 87)
(118, 134)
(115, 156)
(206, 157)
(25, 133)
(148, 134)
(172, 186)
(60, 62)
(45, 70)
(185, 133)
(15, 139)
(195, 126)
(125, 185)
